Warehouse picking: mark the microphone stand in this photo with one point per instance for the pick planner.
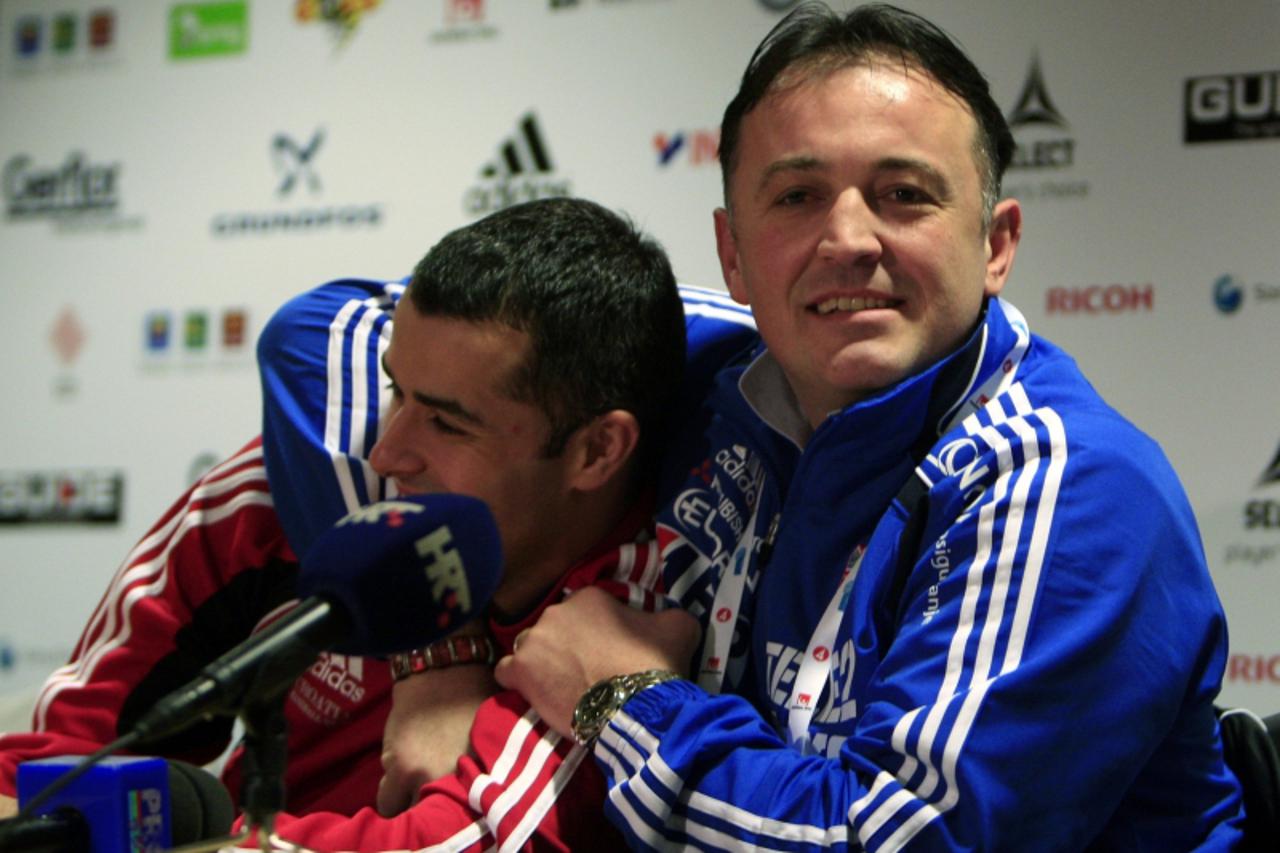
(265, 755)
(262, 764)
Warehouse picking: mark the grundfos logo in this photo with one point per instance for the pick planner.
(1231, 107)
(521, 171)
(294, 161)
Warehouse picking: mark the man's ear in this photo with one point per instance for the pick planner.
(727, 250)
(1002, 244)
(601, 450)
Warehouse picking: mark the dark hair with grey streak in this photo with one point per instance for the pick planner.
(813, 40)
(596, 297)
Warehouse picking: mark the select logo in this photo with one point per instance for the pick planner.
(1035, 109)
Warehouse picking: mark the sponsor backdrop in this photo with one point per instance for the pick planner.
(172, 171)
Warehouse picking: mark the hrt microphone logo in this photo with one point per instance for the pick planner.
(445, 570)
(389, 512)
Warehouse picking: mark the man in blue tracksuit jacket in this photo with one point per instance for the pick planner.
(949, 598)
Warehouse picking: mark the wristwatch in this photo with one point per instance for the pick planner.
(604, 698)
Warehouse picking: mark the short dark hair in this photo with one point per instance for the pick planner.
(596, 297)
(814, 39)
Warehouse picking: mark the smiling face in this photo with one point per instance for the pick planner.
(856, 232)
(454, 427)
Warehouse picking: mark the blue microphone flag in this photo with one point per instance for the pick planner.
(124, 800)
(405, 570)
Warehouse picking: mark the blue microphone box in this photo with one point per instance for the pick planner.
(125, 800)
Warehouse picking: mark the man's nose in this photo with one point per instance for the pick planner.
(850, 232)
(393, 455)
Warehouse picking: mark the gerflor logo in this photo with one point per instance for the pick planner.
(76, 186)
(75, 195)
(521, 171)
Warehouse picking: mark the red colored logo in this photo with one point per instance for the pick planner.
(1254, 669)
(1101, 299)
(821, 653)
(724, 614)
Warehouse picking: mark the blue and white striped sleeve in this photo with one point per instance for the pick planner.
(319, 358)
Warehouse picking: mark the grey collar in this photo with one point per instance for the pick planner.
(765, 388)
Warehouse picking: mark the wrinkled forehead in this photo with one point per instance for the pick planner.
(891, 73)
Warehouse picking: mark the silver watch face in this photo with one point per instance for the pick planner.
(594, 709)
(605, 698)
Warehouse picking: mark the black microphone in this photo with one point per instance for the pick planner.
(120, 805)
(389, 577)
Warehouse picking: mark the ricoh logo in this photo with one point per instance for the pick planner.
(1253, 669)
(1232, 107)
(1101, 299)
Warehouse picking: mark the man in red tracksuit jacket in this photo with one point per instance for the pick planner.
(484, 403)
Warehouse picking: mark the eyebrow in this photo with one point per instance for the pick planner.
(444, 404)
(806, 163)
(911, 164)
(787, 164)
